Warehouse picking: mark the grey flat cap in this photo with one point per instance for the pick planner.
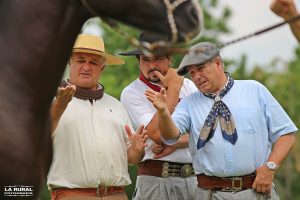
(198, 54)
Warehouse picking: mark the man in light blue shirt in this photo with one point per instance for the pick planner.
(233, 125)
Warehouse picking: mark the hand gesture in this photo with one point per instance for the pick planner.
(263, 180)
(162, 150)
(156, 148)
(64, 94)
(137, 140)
(171, 79)
(284, 8)
(63, 97)
(158, 99)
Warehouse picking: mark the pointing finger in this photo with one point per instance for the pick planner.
(159, 75)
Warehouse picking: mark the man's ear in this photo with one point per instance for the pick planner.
(170, 60)
(102, 67)
(218, 61)
(138, 58)
(69, 61)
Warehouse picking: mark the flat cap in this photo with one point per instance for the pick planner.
(197, 55)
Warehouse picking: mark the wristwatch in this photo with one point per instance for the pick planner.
(272, 166)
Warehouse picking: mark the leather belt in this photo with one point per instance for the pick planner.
(227, 184)
(100, 191)
(165, 169)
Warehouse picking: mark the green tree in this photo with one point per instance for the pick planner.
(286, 88)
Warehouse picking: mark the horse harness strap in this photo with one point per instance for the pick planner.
(165, 169)
(226, 184)
(170, 15)
(89, 8)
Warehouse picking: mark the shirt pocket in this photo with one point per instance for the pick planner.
(246, 120)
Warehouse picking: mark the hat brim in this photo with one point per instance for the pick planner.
(109, 59)
(192, 60)
(139, 52)
(135, 52)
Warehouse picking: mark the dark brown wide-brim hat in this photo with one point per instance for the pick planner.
(197, 55)
(145, 37)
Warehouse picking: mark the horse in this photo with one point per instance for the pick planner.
(36, 40)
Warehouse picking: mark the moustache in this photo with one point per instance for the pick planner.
(152, 70)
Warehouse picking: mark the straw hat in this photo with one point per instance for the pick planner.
(95, 45)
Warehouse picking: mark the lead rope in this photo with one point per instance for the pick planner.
(166, 47)
(256, 33)
(185, 50)
(260, 31)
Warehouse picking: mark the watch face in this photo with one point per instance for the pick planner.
(271, 165)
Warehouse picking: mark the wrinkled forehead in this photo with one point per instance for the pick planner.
(200, 65)
(90, 56)
(194, 66)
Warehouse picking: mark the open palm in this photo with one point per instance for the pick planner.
(158, 99)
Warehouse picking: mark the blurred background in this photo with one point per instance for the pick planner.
(272, 59)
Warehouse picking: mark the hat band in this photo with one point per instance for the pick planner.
(88, 49)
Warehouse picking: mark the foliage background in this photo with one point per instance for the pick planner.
(281, 78)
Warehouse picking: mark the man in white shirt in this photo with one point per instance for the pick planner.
(91, 147)
(165, 171)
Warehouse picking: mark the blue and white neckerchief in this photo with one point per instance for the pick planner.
(221, 113)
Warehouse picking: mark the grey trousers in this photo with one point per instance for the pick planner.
(171, 188)
(249, 194)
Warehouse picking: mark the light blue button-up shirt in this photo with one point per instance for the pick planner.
(259, 120)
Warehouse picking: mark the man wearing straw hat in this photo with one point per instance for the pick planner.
(166, 170)
(233, 125)
(91, 147)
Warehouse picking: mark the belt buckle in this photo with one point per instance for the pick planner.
(101, 191)
(165, 170)
(234, 188)
(186, 171)
(236, 180)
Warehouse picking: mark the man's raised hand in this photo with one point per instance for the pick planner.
(171, 79)
(137, 140)
(64, 94)
(158, 99)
